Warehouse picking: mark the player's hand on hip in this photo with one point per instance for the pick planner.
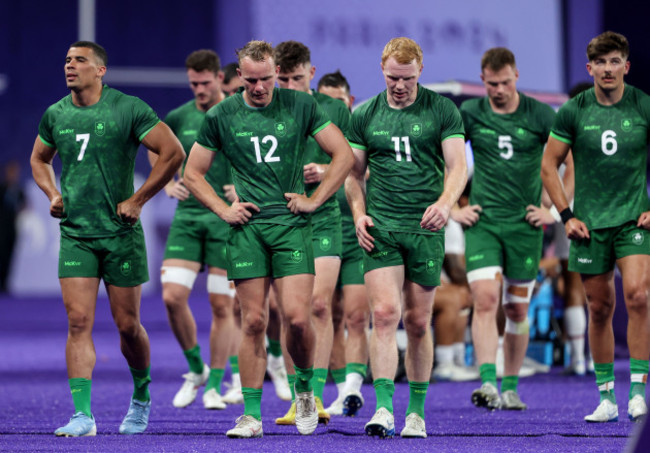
(177, 190)
(313, 172)
(366, 241)
(239, 213)
(435, 217)
(56, 206)
(230, 193)
(538, 216)
(576, 229)
(467, 215)
(644, 220)
(300, 203)
(129, 211)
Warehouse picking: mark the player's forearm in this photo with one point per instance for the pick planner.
(168, 162)
(335, 175)
(355, 193)
(43, 174)
(455, 182)
(203, 191)
(553, 184)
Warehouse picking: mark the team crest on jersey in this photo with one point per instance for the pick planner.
(521, 131)
(125, 267)
(296, 256)
(638, 238)
(416, 129)
(325, 244)
(626, 125)
(280, 129)
(100, 128)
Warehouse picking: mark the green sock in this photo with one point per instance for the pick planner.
(303, 379)
(509, 383)
(318, 381)
(417, 397)
(338, 375)
(214, 381)
(234, 364)
(292, 382)
(252, 402)
(360, 368)
(141, 379)
(605, 380)
(488, 372)
(275, 348)
(80, 390)
(194, 359)
(638, 377)
(384, 389)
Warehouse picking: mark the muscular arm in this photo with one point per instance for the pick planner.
(355, 185)
(43, 173)
(332, 141)
(196, 168)
(163, 142)
(174, 188)
(436, 215)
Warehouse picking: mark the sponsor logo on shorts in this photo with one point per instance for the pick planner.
(297, 256)
(280, 129)
(416, 129)
(243, 264)
(529, 263)
(626, 125)
(377, 254)
(126, 267)
(638, 238)
(72, 263)
(325, 243)
(431, 265)
(100, 128)
(175, 248)
(585, 260)
(472, 258)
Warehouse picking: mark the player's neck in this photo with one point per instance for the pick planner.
(87, 96)
(510, 107)
(609, 97)
(220, 97)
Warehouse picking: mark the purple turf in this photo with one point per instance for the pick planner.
(35, 400)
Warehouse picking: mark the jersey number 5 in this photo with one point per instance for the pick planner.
(505, 142)
(407, 148)
(84, 139)
(268, 157)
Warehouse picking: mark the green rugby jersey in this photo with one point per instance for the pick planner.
(404, 151)
(97, 146)
(185, 121)
(339, 114)
(609, 146)
(508, 151)
(265, 147)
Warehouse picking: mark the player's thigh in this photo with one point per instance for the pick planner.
(186, 241)
(483, 248)
(593, 256)
(247, 253)
(522, 245)
(125, 260)
(291, 250)
(424, 254)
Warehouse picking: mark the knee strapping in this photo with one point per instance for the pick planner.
(178, 275)
(219, 284)
(517, 328)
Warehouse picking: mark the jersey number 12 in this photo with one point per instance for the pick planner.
(268, 157)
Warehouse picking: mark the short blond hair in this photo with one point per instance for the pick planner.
(403, 50)
(256, 51)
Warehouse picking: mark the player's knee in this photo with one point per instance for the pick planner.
(636, 300)
(254, 323)
(128, 327)
(385, 317)
(298, 328)
(600, 310)
(517, 327)
(356, 321)
(416, 323)
(79, 322)
(177, 282)
(321, 307)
